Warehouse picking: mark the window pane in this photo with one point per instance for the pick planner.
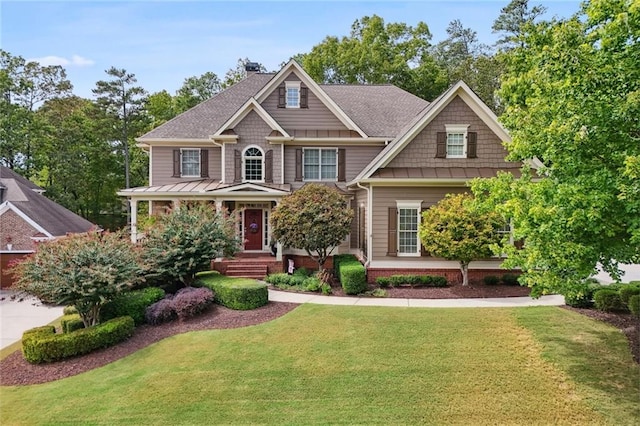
(253, 169)
(293, 96)
(408, 231)
(312, 164)
(190, 162)
(455, 144)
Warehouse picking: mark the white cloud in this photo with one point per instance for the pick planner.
(75, 61)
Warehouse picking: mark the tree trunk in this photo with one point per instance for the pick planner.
(464, 267)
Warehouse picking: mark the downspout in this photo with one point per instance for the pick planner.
(369, 218)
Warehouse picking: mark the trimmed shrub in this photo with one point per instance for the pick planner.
(285, 281)
(71, 323)
(161, 311)
(312, 284)
(191, 301)
(491, 280)
(383, 282)
(302, 272)
(634, 305)
(412, 280)
(432, 281)
(240, 294)
(325, 289)
(43, 345)
(510, 279)
(581, 296)
(351, 273)
(133, 304)
(627, 291)
(69, 310)
(608, 300)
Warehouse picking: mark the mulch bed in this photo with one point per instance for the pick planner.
(15, 370)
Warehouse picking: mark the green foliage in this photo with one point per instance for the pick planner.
(239, 293)
(195, 90)
(314, 218)
(378, 53)
(183, 242)
(491, 280)
(69, 310)
(457, 229)
(302, 272)
(510, 279)
(608, 300)
(383, 282)
(571, 91)
(83, 270)
(353, 277)
(43, 345)
(133, 304)
(627, 291)
(581, 296)
(285, 281)
(634, 305)
(71, 322)
(412, 280)
(377, 292)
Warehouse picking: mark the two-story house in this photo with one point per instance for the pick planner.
(391, 153)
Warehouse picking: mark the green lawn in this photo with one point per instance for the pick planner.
(359, 365)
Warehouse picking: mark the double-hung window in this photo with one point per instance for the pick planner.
(292, 94)
(457, 141)
(408, 224)
(253, 160)
(190, 162)
(320, 164)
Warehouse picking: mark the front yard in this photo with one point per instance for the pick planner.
(334, 364)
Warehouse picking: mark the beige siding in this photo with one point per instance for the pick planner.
(356, 158)
(385, 197)
(421, 151)
(252, 131)
(317, 116)
(162, 165)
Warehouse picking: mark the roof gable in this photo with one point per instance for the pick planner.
(250, 105)
(413, 128)
(293, 67)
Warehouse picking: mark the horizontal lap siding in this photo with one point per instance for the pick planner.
(317, 116)
(162, 165)
(385, 197)
(421, 151)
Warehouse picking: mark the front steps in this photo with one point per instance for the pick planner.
(248, 265)
(254, 270)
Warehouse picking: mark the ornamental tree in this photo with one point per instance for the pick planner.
(180, 244)
(456, 229)
(83, 270)
(315, 218)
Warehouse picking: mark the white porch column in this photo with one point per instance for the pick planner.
(176, 204)
(133, 206)
(218, 205)
(278, 244)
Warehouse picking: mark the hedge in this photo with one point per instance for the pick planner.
(627, 291)
(351, 273)
(71, 323)
(634, 305)
(41, 344)
(240, 294)
(581, 296)
(608, 300)
(412, 280)
(133, 304)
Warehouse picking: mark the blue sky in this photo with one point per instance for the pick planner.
(164, 42)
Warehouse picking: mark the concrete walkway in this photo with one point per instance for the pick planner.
(506, 302)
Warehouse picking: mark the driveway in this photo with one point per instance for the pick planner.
(631, 273)
(16, 317)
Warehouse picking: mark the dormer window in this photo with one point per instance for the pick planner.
(456, 142)
(292, 94)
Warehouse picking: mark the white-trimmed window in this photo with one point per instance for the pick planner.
(292, 94)
(320, 164)
(457, 141)
(408, 225)
(253, 167)
(190, 162)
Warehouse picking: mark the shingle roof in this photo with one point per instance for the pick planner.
(444, 172)
(51, 216)
(379, 110)
(204, 119)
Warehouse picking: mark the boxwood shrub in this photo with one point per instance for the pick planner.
(42, 344)
(627, 291)
(235, 293)
(133, 304)
(634, 305)
(491, 280)
(351, 273)
(581, 296)
(71, 323)
(510, 279)
(608, 300)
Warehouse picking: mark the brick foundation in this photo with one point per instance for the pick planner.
(305, 262)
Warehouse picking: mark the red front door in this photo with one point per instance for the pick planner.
(253, 229)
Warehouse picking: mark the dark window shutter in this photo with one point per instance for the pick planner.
(237, 162)
(282, 97)
(342, 167)
(304, 97)
(268, 166)
(423, 252)
(392, 242)
(441, 145)
(176, 163)
(472, 145)
(298, 165)
(204, 163)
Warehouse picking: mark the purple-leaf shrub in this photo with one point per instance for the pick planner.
(191, 301)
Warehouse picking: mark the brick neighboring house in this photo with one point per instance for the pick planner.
(28, 217)
(391, 153)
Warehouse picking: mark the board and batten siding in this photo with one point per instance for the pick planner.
(385, 197)
(252, 131)
(316, 116)
(421, 151)
(162, 165)
(356, 158)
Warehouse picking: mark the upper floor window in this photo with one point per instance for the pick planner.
(190, 162)
(457, 141)
(253, 164)
(292, 94)
(320, 164)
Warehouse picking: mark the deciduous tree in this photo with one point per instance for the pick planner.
(315, 219)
